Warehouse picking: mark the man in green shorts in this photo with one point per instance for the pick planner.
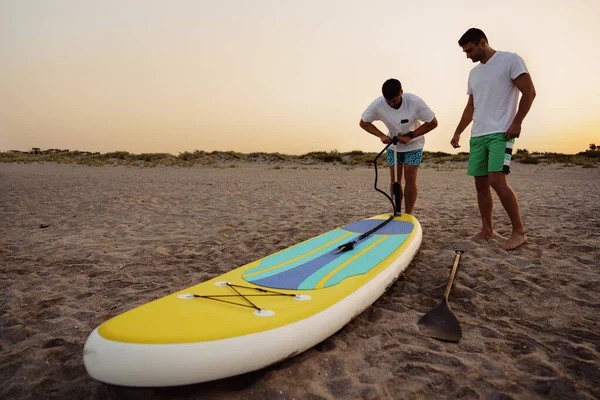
(497, 114)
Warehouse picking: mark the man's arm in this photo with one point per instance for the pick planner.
(426, 127)
(465, 120)
(372, 129)
(524, 83)
(420, 131)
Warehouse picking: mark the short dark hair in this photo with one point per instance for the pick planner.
(473, 35)
(391, 88)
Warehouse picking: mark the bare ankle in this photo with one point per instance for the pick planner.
(484, 234)
(516, 240)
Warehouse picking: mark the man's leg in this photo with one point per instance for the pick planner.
(486, 205)
(410, 189)
(511, 205)
(412, 160)
(478, 168)
(499, 166)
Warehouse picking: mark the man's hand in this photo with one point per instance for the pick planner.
(404, 139)
(514, 131)
(385, 139)
(455, 140)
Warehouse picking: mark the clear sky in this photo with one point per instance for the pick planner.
(277, 75)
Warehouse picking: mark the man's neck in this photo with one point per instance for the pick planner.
(489, 52)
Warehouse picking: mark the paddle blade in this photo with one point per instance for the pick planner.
(440, 323)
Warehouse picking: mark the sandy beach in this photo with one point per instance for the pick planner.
(79, 245)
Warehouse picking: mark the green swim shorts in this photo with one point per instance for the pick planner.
(490, 153)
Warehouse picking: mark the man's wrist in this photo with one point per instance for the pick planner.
(411, 134)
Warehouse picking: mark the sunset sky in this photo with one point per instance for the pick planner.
(277, 75)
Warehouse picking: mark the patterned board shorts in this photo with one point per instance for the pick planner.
(412, 157)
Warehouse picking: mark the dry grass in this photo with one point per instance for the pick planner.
(230, 159)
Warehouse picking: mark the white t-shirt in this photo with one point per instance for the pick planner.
(413, 109)
(494, 93)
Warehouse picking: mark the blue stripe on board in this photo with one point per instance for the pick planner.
(372, 258)
(361, 265)
(293, 278)
(391, 228)
(300, 250)
(307, 271)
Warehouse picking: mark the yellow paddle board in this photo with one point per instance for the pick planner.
(257, 314)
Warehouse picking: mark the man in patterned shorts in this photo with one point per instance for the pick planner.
(392, 108)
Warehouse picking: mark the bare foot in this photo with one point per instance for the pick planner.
(483, 235)
(515, 240)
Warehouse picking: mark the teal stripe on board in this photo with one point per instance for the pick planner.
(297, 251)
(368, 260)
(311, 281)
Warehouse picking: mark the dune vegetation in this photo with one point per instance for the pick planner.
(587, 159)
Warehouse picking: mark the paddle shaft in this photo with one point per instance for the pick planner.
(453, 273)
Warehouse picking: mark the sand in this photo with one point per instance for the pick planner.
(118, 237)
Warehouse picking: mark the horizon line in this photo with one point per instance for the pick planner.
(37, 150)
